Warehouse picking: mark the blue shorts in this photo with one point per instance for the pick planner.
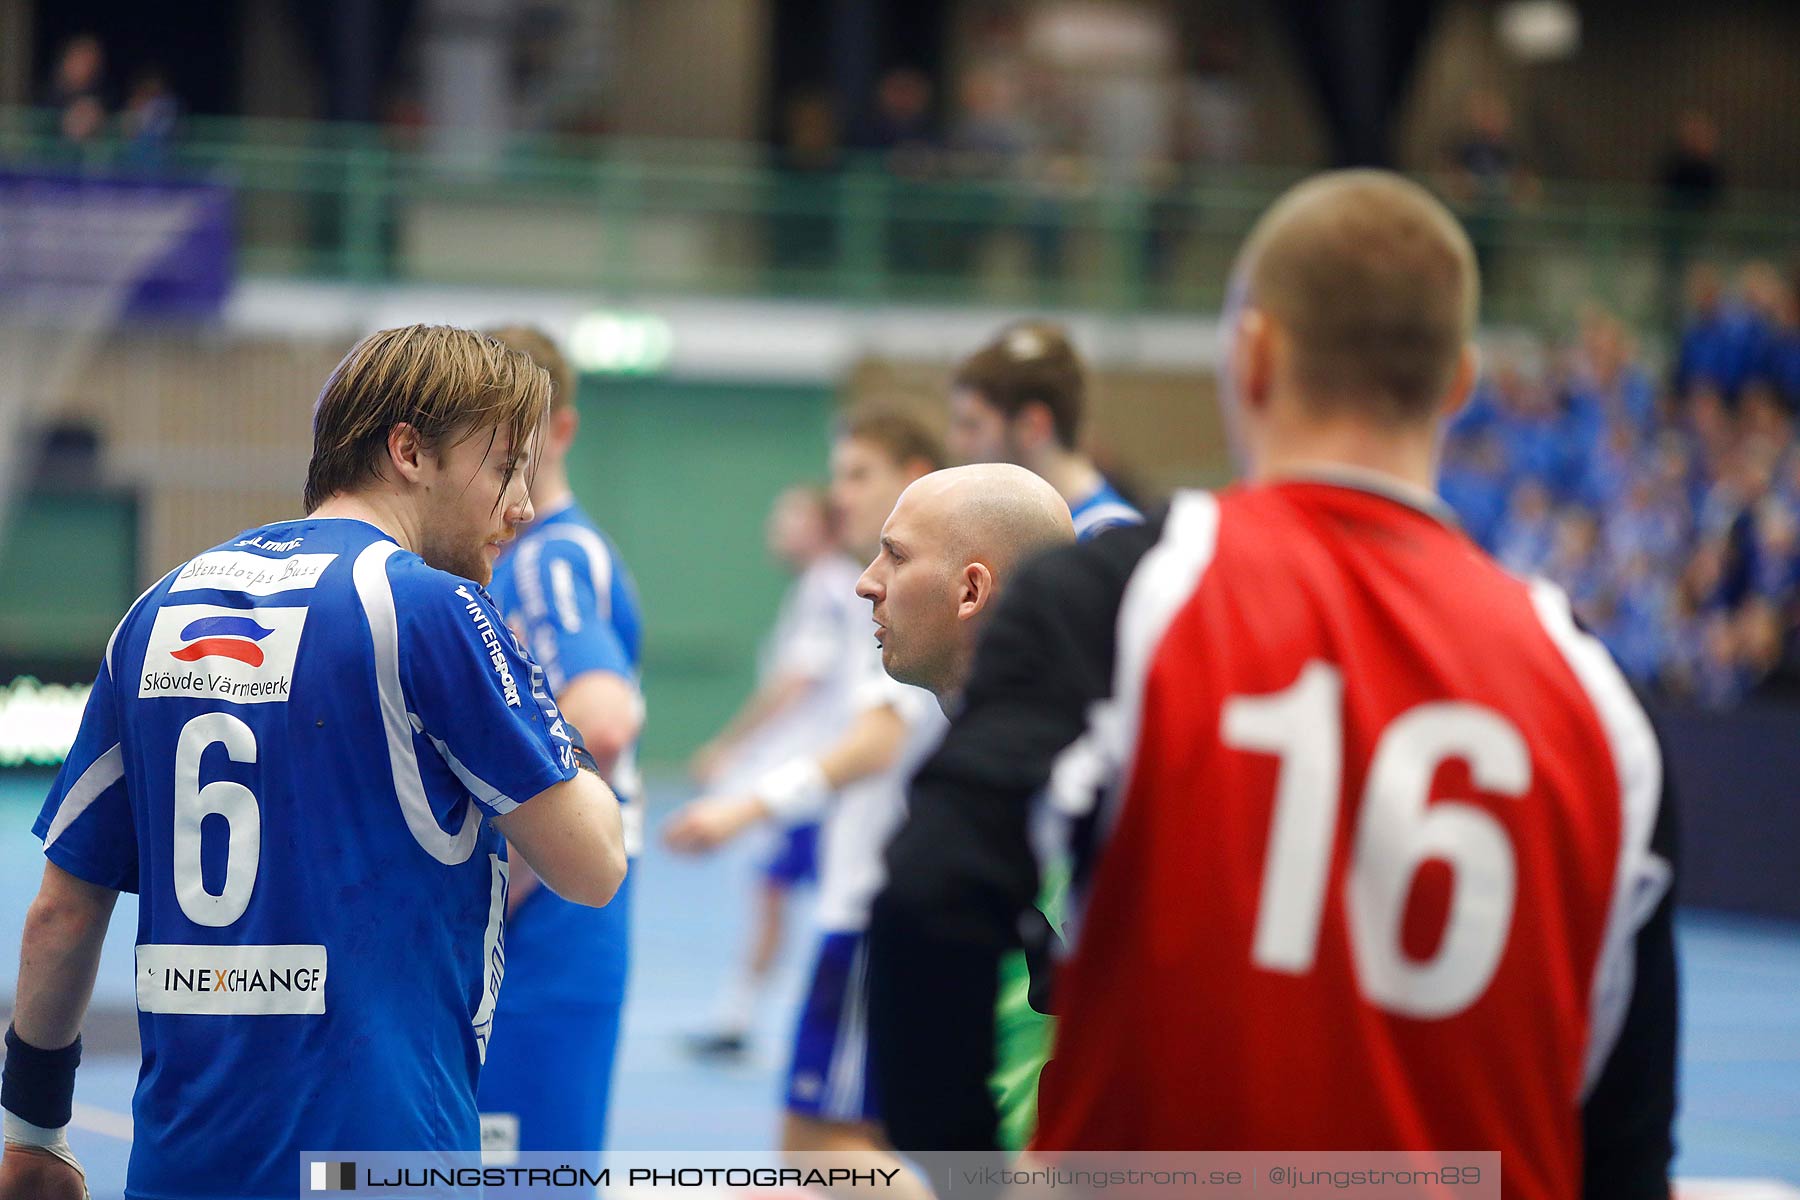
(796, 857)
(830, 1077)
(547, 1083)
(548, 1075)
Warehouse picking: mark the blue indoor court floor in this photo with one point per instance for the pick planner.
(1740, 1114)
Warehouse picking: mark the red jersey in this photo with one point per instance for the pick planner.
(1376, 854)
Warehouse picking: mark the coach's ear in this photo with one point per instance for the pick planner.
(406, 452)
(977, 588)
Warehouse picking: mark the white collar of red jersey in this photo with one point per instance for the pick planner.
(1378, 483)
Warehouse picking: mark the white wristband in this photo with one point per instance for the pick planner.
(795, 792)
(20, 1132)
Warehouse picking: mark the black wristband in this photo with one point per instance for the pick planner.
(38, 1086)
(584, 760)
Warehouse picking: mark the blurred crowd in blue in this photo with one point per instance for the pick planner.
(1668, 507)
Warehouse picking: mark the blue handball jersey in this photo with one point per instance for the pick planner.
(290, 753)
(566, 592)
(1104, 509)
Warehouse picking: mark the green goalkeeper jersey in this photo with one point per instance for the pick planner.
(1022, 1034)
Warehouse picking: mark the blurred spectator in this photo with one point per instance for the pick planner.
(1762, 414)
(1213, 126)
(991, 137)
(1691, 179)
(1574, 561)
(1763, 636)
(809, 129)
(1766, 294)
(902, 131)
(1787, 484)
(1692, 185)
(1677, 482)
(1727, 520)
(149, 118)
(1720, 343)
(1473, 481)
(1639, 629)
(77, 90)
(1777, 551)
(1487, 176)
(1674, 526)
(1718, 680)
(1608, 379)
(1649, 525)
(1778, 366)
(1710, 424)
(1215, 119)
(1527, 532)
(804, 220)
(1612, 469)
(901, 128)
(1545, 439)
(994, 138)
(1484, 156)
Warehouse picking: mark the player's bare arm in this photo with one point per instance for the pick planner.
(606, 708)
(761, 707)
(58, 959)
(796, 789)
(570, 835)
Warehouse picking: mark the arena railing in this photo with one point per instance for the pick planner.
(635, 217)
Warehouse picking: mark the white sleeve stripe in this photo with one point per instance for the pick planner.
(101, 774)
(562, 586)
(1105, 755)
(1111, 512)
(1164, 581)
(1641, 877)
(377, 596)
(480, 788)
(531, 588)
(599, 564)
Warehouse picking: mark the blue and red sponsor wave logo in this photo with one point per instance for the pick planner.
(222, 637)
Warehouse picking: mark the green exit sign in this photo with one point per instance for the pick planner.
(615, 343)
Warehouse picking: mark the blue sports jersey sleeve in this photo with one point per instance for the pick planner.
(567, 617)
(477, 695)
(1105, 509)
(86, 822)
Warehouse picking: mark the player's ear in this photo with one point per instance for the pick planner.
(1253, 358)
(977, 591)
(406, 451)
(1462, 383)
(564, 423)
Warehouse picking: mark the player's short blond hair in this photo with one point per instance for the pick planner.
(898, 432)
(447, 384)
(546, 354)
(1375, 284)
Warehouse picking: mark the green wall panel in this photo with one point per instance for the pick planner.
(68, 571)
(680, 475)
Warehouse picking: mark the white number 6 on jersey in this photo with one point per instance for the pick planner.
(233, 801)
